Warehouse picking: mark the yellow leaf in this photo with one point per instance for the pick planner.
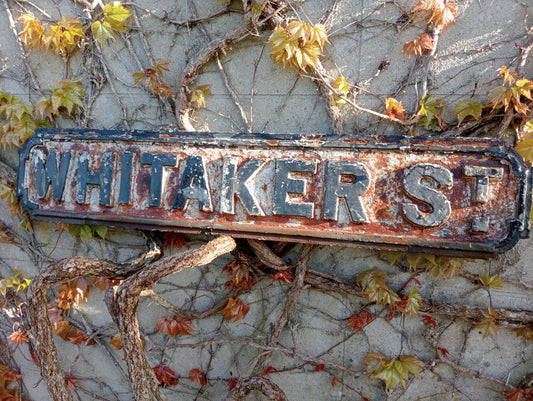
(525, 148)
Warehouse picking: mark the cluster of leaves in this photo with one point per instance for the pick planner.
(84, 231)
(66, 94)
(168, 378)
(8, 194)
(19, 121)
(153, 79)
(174, 326)
(445, 266)
(62, 38)
(114, 19)
(16, 282)
(443, 13)
(512, 93)
(74, 292)
(9, 390)
(241, 275)
(391, 370)
(374, 287)
(298, 45)
(65, 36)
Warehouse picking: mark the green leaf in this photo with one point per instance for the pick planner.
(86, 232)
(432, 108)
(491, 281)
(101, 231)
(102, 31)
(116, 15)
(467, 108)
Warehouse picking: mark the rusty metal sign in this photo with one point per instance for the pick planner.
(460, 197)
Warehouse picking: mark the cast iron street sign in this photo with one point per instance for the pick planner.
(463, 197)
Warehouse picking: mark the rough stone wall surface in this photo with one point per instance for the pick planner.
(362, 35)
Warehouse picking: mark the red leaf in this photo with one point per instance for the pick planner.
(35, 357)
(104, 283)
(235, 309)
(78, 338)
(232, 383)
(71, 382)
(429, 321)
(519, 394)
(165, 376)
(228, 284)
(173, 326)
(173, 240)
(319, 368)
(358, 322)
(443, 351)
(9, 375)
(197, 376)
(333, 382)
(284, 276)
(271, 369)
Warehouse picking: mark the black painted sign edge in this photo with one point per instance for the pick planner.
(518, 229)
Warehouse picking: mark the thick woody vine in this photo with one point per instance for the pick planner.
(295, 45)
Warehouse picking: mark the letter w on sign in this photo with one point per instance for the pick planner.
(459, 197)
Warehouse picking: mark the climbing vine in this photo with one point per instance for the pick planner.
(256, 302)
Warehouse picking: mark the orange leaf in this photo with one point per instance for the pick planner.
(235, 309)
(394, 109)
(197, 376)
(423, 42)
(428, 4)
(18, 338)
(80, 338)
(173, 326)
(116, 341)
(241, 274)
(173, 240)
(165, 376)
(444, 14)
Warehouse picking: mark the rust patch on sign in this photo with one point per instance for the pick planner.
(461, 197)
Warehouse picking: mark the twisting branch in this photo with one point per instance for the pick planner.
(292, 299)
(126, 300)
(64, 270)
(262, 384)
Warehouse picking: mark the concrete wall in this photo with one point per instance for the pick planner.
(363, 33)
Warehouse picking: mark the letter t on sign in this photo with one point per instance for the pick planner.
(481, 191)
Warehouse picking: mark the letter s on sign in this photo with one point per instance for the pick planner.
(417, 187)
